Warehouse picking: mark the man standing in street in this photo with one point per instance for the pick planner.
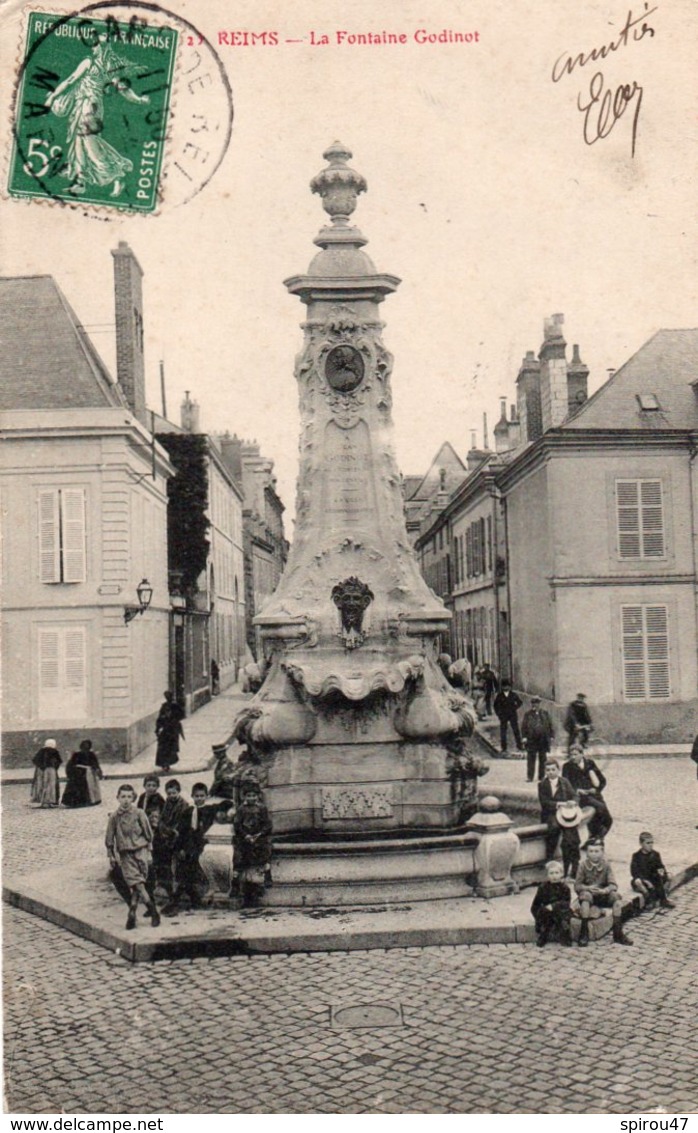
(537, 731)
(489, 684)
(506, 707)
(578, 723)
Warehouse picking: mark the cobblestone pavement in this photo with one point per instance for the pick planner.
(487, 1028)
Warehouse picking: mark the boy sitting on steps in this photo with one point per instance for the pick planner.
(596, 888)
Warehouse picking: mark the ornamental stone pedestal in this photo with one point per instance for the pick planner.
(496, 850)
(350, 720)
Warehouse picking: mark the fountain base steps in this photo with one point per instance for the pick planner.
(83, 901)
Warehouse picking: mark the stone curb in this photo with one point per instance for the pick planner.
(599, 751)
(243, 937)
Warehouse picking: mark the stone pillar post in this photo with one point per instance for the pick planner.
(496, 851)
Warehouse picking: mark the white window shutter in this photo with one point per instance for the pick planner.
(62, 673)
(640, 519)
(49, 536)
(628, 511)
(73, 532)
(75, 658)
(652, 519)
(49, 659)
(645, 634)
(657, 633)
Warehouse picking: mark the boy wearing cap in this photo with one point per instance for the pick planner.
(551, 907)
(596, 888)
(537, 732)
(649, 877)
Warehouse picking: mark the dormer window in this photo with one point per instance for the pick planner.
(648, 402)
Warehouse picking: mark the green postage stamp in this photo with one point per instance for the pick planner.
(91, 115)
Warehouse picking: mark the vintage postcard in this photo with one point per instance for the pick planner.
(349, 413)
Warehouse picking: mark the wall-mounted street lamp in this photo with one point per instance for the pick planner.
(145, 593)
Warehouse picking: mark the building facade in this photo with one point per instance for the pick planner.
(602, 547)
(206, 566)
(226, 573)
(84, 522)
(568, 556)
(264, 543)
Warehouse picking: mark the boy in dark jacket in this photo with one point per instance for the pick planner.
(551, 907)
(553, 792)
(151, 800)
(171, 818)
(589, 781)
(190, 879)
(649, 877)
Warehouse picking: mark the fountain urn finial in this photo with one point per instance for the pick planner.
(339, 185)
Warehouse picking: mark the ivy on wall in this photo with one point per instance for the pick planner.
(187, 500)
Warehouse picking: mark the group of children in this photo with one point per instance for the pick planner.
(155, 843)
(596, 889)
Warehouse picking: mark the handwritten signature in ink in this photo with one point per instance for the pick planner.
(601, 106)
(604, 108)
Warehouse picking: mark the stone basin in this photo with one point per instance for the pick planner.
(392, 866)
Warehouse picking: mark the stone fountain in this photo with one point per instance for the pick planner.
(351, 720)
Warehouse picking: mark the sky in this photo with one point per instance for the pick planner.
(483, 197)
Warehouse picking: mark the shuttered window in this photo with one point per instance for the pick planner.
(645, 632)
(62, 535)
(489, 543)
(477, 548)
(62, 672)
(640, 516)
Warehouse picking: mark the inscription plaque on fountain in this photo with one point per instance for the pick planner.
(357, 802)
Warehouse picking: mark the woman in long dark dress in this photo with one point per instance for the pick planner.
(83, 774)
(46, 762)
(168, 729)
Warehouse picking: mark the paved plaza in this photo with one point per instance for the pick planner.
(486, 1028)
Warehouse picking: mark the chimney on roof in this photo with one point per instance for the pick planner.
(443, 494)
(501, 429)
(231, 453)
(528, 398)
(128, 306)
(475, 455)
(553, 373)
(189, 415)
(577, 381)
(514, 429)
